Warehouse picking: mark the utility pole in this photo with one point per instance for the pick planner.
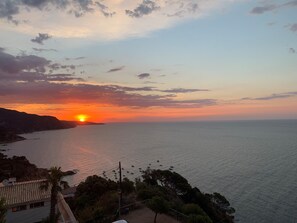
(120, 179)
(120, 189)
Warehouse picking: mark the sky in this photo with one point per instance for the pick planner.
(145, 60)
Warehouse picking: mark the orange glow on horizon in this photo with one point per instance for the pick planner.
(82, 117)
(94, 112)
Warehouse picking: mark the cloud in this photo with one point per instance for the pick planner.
(14, 64)
(28, 78)
(30, 68)
(40, 38)
(105, 10)
(145, 8)
(271, 7)
(133, 88)
(75, 58)
(290, 3)
(81, 7)
(143, 75)
(151, 82)
(185, 7)
(8, 9)
(112, 21)
(61, 93)
(273, 96)
(293, 27)
(292, 50)
(183, 90)
(116, 69)
(44, 50)
(262, 9)
(58, 66)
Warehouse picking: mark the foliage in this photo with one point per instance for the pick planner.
(89, 191)
(170, 180)
(2, 210)
(214, 205)
(96, 199)
(206, 202)
(149, 191)
(109, 202)
(55, 182)
(127, 186)
(19, 167)
(158, 205)
(191, 208)
(198, 219)
(90, 214)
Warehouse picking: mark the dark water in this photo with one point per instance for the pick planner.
(253, 163)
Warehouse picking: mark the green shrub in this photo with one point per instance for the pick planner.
(189, 209)
(199, 219)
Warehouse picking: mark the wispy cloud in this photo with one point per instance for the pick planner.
(8, 9)
(105, 10)
(116, 69)
(61, 93)
(114, 20)
(262, 9)
(75, 58)
(44, 50)
(145, 8)
(41, 38)
(273, 96)
(183, 90)
(271, 7)
(30, 68)
(293, 27)
(35, 79)
(143, 75)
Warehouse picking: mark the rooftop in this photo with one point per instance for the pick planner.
(24, 192)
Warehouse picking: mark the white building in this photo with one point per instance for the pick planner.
(25, 202)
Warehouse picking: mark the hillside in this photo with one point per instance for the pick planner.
(13, 122)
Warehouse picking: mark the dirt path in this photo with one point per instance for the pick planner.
(145, 215)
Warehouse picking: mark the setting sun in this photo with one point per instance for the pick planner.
(81, 117)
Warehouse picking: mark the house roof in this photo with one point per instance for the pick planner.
(24, 192)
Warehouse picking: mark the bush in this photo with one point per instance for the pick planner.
(189, 209)
(127, 186)
(199, 219)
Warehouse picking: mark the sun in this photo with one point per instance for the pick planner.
(81, 117)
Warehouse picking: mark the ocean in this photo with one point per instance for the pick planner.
(252, 163)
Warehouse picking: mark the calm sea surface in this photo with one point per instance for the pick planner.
(252, 163)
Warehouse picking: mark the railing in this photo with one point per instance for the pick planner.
(65, 211)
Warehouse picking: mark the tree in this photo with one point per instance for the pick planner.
(55, 183)
(199, 219)
(191, 208)
(172, 181)
(89, 191)
(158, 205)
(2, 210)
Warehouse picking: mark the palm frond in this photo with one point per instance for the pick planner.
(64, 184)
(44, 185)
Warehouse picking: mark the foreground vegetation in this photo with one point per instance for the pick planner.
(163, 191)
(2, 210)
(20, 168)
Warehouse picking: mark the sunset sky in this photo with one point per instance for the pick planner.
(145, 60)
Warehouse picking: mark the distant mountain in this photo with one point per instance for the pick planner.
(89, 123)
(13, 122)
